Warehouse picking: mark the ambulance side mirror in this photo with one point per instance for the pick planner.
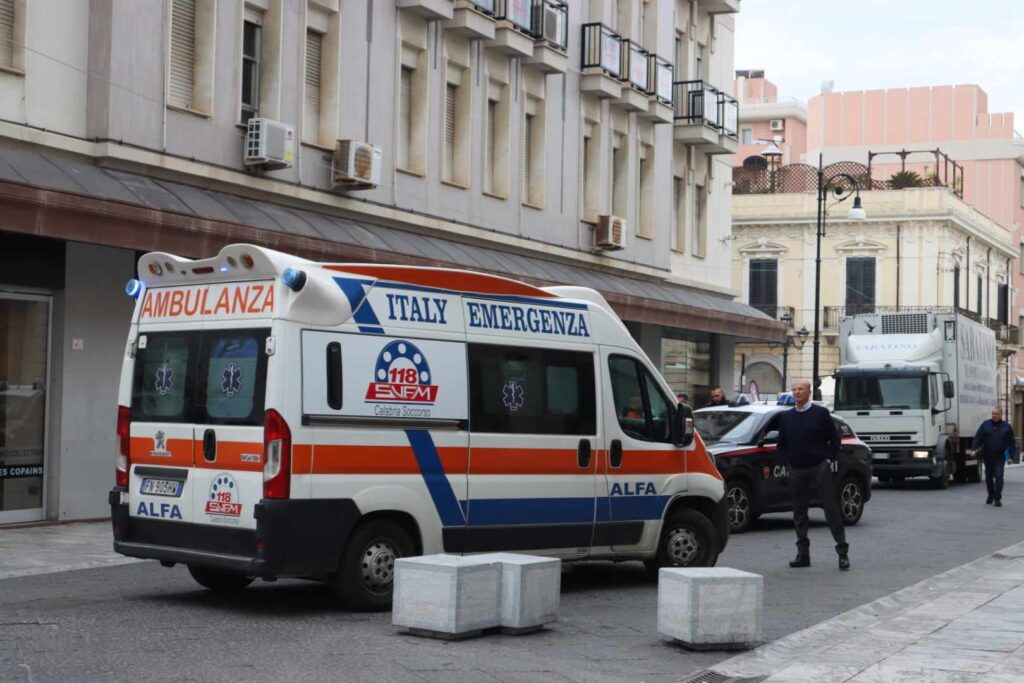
(682, 426)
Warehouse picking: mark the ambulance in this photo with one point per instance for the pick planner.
(284, 418)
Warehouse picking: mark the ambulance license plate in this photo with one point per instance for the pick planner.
(161, 487)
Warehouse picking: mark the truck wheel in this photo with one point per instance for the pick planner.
(218, 581)
(741, 506)
(976, 474)
(851, 500)
(941, 481)
(688, 539)
(366, 579)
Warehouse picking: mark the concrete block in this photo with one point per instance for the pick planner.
(446, 596)
(530, 591)
(710, 607)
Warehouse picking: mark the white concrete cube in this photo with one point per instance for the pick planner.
(446, 595)
(710, 607)
(530, 590)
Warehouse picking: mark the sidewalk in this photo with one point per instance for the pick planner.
(962, 626)
(25, 551)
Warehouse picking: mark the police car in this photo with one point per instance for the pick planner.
(743, 442)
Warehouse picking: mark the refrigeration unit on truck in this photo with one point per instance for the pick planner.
(915, 387)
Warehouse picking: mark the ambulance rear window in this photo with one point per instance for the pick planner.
(212, 377)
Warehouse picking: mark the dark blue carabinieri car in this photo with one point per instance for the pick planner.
(742, 440)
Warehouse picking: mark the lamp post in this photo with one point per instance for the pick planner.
(803, 334)
(841, 186)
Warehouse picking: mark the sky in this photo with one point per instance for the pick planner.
(867, 44)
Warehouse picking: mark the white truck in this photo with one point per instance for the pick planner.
(915, 387)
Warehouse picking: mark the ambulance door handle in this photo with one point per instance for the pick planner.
(210, 445)
(615, 457)
(583, 453)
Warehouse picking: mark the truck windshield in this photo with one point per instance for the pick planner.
(864, 392)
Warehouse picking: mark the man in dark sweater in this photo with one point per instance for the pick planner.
(995, 439)
(808, 441)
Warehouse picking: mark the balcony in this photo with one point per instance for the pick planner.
(720, 6)
(705, 117)
(781, 313)
(601, 62)
(473, 19)
(659, 90)
(635, 76)
(513, 34)
(431, 10)
(551, 37)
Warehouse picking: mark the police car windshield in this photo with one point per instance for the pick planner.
(734, 426)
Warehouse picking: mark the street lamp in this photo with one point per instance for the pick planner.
(773, 155)
(803, 334)
(841, 186)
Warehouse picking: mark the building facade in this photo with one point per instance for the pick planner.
(582, 142)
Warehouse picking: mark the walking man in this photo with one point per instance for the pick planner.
(808, 442)
(718, 397)
(995, 439)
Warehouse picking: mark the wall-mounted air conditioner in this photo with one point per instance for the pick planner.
(610, 234)
(776, 124)
(551, 25)
(269, 144)
(356, 165)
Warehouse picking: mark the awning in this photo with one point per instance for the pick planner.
(50, 194)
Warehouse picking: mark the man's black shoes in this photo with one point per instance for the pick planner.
(999, 503)
(844, 563)
(988, 501)
(801, 561)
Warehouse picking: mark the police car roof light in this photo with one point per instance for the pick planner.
(294, 279)
(133, 288)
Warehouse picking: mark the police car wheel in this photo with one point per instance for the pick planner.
(218, 581)
(688, 539)
(366, 579)
(851, 500)
(741, 506)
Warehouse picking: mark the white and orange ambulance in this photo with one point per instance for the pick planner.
(285, 418)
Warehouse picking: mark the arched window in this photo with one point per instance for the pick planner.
(756, 162)
(769, 380)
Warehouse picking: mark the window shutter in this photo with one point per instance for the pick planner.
(404, 117)
(492, 144)
(183, 53)
(311, 118)
(449, 131)
(527, 155)
(860, 285)
(6, 32)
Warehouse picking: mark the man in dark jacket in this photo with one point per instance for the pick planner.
(995, 439)
(808, 442)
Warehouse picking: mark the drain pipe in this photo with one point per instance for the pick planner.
(898, 283)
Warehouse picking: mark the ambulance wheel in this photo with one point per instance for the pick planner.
(741, 505)
(688, 539)
(218, 581)
(366, 579)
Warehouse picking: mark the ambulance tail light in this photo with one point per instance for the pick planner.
(123, 440)
(277, 456)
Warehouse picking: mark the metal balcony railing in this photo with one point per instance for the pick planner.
(602, 49)
(551, 23)
(696, 104)
(780, 313)
(1008, 334)
(660, 76)
(635, 67)
(518, 12)
(729, 114)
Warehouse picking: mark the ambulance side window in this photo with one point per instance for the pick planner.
(162, 385)
(643, 412)
(520, 390)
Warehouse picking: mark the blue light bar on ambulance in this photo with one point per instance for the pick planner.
(133, 288)
(293, 279)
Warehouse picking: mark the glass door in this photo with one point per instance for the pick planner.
(24, 380)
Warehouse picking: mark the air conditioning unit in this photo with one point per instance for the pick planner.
(776, 124)
(356, 165)
(551, 25)
(269, 144)
(610, 234)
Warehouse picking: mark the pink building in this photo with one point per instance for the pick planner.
(766, 120)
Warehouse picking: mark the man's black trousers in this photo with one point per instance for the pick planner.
(994, 476)
(811, 482)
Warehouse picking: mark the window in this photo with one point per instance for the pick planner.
(748, 136)
(763, 292)
(413, 95)
(405, 117)
(12, 34)
(455, 136)
(589, 170)
(183, 54)
(252, 31)
(490, 148)
(533, 152)
(497, 140)
(981, 293)
(232, 361)
(450, 122)
(699, 221)
(956, 286)
(642, 410)
(620, 176)
(1002, 304)
(527, 155)
(679, 213)
(311, 112)
(686, 366)
(860, 285)
(162, 378)
(515, 390)
(645, 227)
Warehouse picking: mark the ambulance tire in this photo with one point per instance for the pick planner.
(218, 581)
(688, 539)
(365, 581)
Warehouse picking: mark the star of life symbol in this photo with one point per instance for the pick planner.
(513, 395)
(164, 384)
(232, 380)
